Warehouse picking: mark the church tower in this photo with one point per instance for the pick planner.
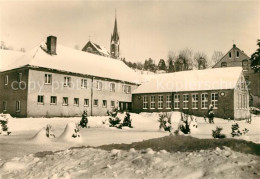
(114, 43)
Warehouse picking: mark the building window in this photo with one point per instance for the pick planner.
(204, 101)
(4, 106)
(214, 100)
(47, 79)
(95, 102)
(229, 54)
(126, 89)
(65, 101)
(145, 102)
(18, 106)
(241, 101)
(195, 101)
(67, 81)
(40, 99)
(237, 54)
(112, 87)
(168, 102)
(245, 65)
(19, 77)
(76, 101)
(99, 85)
(247, 81)
(185, 101)
(112, 104)
(86, 102)
(152, 102)
(176, 101)
(104, 103)
(160, 102)
(53, 100)
(84, 83)
(6, 80)
(224, 64)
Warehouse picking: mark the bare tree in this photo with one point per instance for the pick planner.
(184, 60)
(201, 60)
(217, 55)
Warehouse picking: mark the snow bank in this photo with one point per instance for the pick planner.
(70, 134)
(40, 137)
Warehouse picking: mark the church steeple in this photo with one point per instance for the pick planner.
(114, 43)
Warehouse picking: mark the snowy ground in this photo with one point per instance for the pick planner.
(15, 149)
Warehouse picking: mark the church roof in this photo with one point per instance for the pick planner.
(102, 50)
(75, 61)
(194, 80)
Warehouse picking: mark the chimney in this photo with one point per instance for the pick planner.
(51, 45)
(234, 45)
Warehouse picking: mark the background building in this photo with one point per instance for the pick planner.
(237, 58)
(94, 48)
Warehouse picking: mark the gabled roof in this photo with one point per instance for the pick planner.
(102, 50)
(71, 60)
(234, 47)
(7, 57)
(194, 80)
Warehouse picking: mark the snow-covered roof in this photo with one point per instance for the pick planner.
(76, 61)
(7, 57)
(195, 80)
(101, 49)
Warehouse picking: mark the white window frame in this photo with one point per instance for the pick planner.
(176, 101)
(112, 105)
(99, 85)
(95, 100)
(104, 105)
(237, 54)
(18, 106)
(168, 102)
(128, 89)
(204, 100)
(42, 99)
(4, 106)
(53, 97)
(76, 102)
(84, 83)
(152, 102)
(160, 102)
(47, 78)
(185, 101)
(65, 101)
(145, 102)
(67, 81)
(86, 102)
(112, 87)
(6, 79)
(214, 101)
(195, 101)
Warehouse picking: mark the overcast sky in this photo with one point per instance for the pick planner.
(147, 29)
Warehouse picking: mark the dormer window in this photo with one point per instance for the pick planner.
(229, 54)
(237, 54)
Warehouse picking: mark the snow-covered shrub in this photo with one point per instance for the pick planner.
(50, 131)
(236, 132)
(185, 124)
(127, 121)
(217, 133)
(165, 121)
(114, 121)
(4, 127)
(84, 120)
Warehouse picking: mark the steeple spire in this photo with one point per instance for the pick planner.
(114, 43)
